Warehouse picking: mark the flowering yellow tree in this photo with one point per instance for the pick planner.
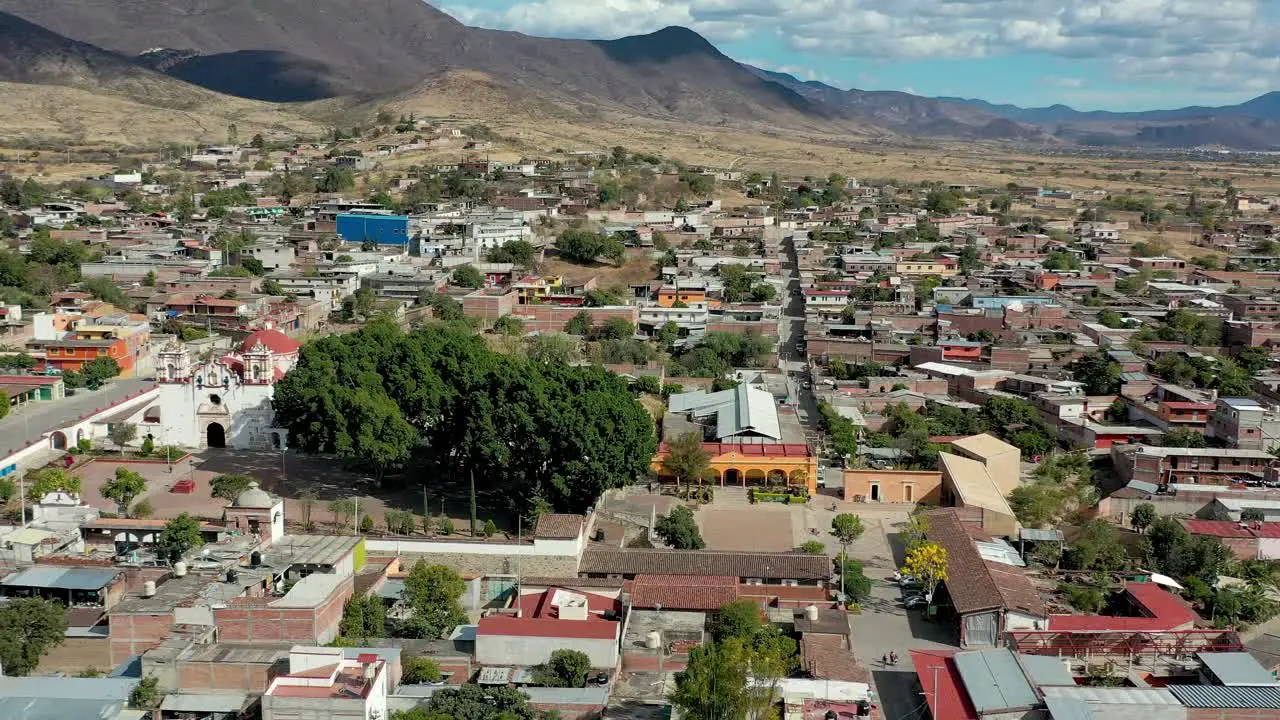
(928, 564)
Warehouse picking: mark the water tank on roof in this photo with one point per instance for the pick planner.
(179, 569)
(811, 613)
(149, 588)
(232, 576)
(255, 559)
(653, 640)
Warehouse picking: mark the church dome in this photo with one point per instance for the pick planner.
(274, 340)
(253, 497)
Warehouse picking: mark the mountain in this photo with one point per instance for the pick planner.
(1263, 107)
(360, 55)
(1251, 125)
(292, 50)
(32, 55)
(906, 113)
(56, 86)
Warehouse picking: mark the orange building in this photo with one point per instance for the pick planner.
(68, 355)
(749, 464)
(906, 486)
(669, 295)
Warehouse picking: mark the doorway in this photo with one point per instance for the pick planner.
(875, 492)
(216, 436)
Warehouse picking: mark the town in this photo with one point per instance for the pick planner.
(380, 426)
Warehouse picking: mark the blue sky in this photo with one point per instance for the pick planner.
(1090, 54)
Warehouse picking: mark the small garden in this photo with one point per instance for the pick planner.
(786, 495)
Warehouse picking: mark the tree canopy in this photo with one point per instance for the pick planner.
(531, 429)
(432, 592)
(29, 627)
(679, 530)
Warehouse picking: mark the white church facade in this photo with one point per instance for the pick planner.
(222, 402)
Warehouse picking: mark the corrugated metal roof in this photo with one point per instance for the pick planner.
(1061, 708)
(1144, 486)
(1115, 696)
(28, 536)
(1218, 696)
(61, 688)
(1237, 668)
(60, 709)
(1001, 552)
(1040, 535)
(994, 680)
(1046, 670)
(60, 578)
(205, 703)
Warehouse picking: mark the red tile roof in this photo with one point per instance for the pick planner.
(1216, 528)
(763, 450)
(1229, 529)
(276, 341)
(678, 592)
(828, 657)
(982, 585)
(555, 526)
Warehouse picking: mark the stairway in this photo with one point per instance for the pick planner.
(731, 495)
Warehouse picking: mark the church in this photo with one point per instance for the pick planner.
(219, 402)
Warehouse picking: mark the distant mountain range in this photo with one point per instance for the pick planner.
(293, 51)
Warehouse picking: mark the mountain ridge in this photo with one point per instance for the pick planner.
(293, 51)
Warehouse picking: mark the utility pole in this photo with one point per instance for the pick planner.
(473, 502)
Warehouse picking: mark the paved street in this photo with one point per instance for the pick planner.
(30, 422)
(885, 625)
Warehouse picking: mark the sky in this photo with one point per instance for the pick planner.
(1090, 54)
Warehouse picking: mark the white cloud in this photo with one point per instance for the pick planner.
(1067, 83)
(1205, 44)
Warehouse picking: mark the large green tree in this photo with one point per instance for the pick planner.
(713, 686)
(686, 459)
(180, 535)
(432, 593)
(1099, 373)
(679, 530)
(124, 487)
(472, 702)
(29, 627)
(527, 428)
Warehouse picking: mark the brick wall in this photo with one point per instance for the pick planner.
(488, 306)
(1009, 359)
(253, 622)
(76, 654)
(133, 634)
(553, 318)
(241, 677)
